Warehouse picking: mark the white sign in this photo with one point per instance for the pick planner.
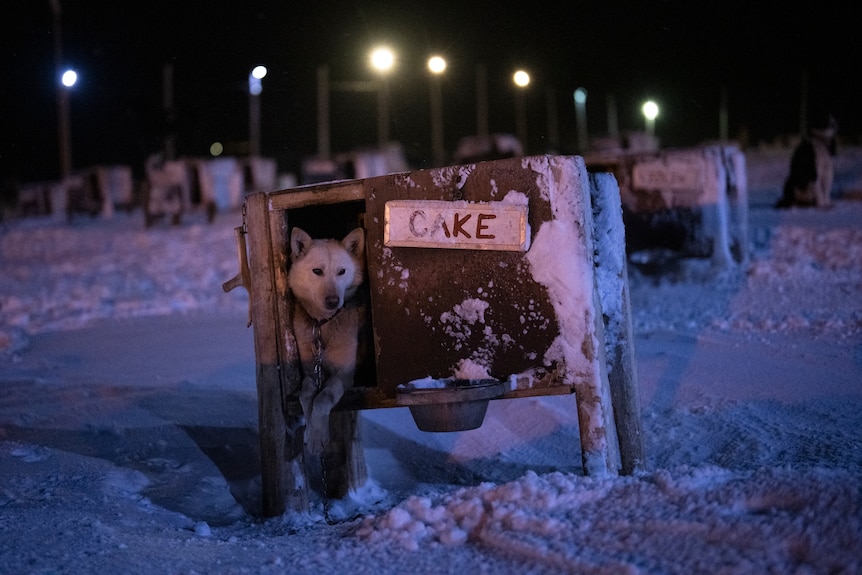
(456, 225)
(671, 175)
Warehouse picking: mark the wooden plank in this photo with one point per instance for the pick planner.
(612, 275)
(292, 460)
(281, 484)
(332, 193)
(344, 460)
(624, 391)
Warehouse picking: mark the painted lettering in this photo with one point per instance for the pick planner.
(418, 224)
(458, 225)
(452, 225)
(417, 218)
(480, 226)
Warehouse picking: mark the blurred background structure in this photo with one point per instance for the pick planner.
(173, 78)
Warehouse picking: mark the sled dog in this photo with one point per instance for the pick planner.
(811, 170)
(324, 278)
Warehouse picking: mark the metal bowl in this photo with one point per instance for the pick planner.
(459, 406)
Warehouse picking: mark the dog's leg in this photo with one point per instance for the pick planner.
(306, 396)
(317, 419)
(340, 365)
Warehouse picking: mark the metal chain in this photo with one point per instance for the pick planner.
(317, 349)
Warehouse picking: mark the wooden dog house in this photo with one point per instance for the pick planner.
(692, 201)
(508, 277)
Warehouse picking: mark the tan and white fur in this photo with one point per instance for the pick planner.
(324, 278)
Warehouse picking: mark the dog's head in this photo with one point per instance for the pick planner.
(325, 273)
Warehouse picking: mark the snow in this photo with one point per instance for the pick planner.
(128, 421)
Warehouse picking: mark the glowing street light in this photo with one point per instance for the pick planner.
(650, 112)
(255, 87)
(257, 74)
(382, 61)
(522, 80)
(69, 78)
(437, 65)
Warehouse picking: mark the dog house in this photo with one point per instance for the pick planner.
(496, 280)
(692, 202)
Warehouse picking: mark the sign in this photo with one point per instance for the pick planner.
(456, 225)
(668, 175)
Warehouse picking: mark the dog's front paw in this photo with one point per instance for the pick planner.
(316, 440)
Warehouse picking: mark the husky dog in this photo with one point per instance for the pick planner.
(811, 171)
(324, 277)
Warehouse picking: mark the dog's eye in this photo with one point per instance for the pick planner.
(317, 271)
(341, 271)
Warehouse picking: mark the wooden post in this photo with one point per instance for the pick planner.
(344, 458)
(612, 276)
(282, 470)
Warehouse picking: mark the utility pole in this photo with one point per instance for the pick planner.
(63, 128)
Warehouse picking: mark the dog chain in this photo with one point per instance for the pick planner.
(317, 348)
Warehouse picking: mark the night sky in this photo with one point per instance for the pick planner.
(682, 54)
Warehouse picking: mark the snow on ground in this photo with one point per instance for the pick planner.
(128, 423)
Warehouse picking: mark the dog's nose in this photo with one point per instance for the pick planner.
(331, 302)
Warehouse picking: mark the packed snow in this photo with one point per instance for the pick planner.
(128, 421)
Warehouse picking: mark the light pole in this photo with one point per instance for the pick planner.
(382, 61)
(613, 127)
(68, 79)
(580, 96)
(650, 112)
(255, 87)
(522, 80)
(437, 65)
(481, 101)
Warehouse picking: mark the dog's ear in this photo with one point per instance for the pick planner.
(300, 241)
(354, 242)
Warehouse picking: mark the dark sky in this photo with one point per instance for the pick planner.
(682, 54)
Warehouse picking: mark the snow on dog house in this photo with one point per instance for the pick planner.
(496, 280)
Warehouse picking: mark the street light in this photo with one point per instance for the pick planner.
(69, 78)
(437, 65)
(383, 61)
(255, 87)
(522, 80)
(650, 112)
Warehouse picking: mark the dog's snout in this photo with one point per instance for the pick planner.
(332, 302)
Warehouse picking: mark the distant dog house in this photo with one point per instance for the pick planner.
(117, 188)
(99, 190)
(168, 189)
(691, 202)
(506, 279)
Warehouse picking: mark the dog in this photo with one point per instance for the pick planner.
(811, 171)
(329, 315)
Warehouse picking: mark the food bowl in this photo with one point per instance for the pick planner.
(457, 405)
